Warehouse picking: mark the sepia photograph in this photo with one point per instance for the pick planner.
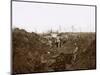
(52, 37)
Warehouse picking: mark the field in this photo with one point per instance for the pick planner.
(52, 51)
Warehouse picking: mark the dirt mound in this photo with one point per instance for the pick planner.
(27, 51)
(31, 52)
(87, 59)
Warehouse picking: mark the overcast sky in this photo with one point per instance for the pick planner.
(42, 17)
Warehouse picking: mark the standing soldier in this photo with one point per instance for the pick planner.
(75, 53)
(57, 42)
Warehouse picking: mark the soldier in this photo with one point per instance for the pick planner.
(58, 42)
(75, 53)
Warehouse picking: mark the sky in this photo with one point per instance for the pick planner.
(41, 17)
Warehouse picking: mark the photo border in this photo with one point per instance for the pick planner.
(11, 19)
